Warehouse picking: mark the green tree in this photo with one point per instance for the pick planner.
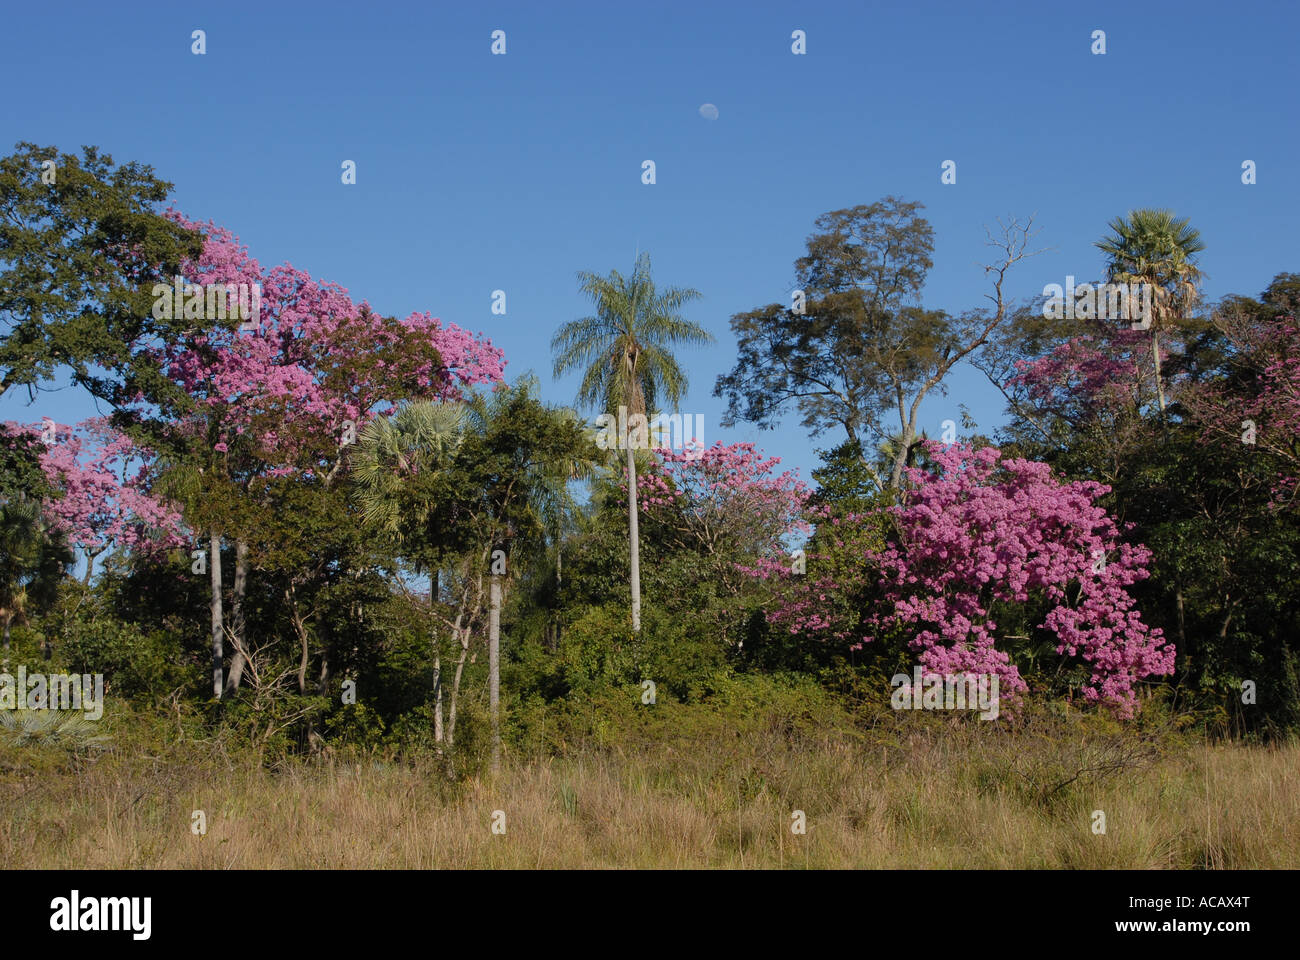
(32, 560)
(81, 245)
(624, 354)
(855, 349)
(390, 453)
(470, 494)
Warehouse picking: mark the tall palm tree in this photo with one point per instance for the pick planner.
(623, 353)
(1156, 248)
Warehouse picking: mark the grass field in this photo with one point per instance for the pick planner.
(940, 794)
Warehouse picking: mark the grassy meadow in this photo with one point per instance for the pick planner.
(691, 786)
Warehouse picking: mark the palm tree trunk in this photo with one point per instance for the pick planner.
(1160, 385)
(634, 538)
(214, 568)
(553, 634)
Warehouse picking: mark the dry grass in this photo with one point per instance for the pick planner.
(945, 798)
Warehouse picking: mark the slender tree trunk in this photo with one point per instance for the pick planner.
(455, 686)
(494, 670)
(9, 619)
(1160, 385)
(437, 661)
(900, 457)
(237, 621)
(464, 634)
(634, 538)
(214, 567)
(299, 628)
(553, 633)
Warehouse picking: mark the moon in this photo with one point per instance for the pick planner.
(708, 111)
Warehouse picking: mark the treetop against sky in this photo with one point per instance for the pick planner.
(479, 182)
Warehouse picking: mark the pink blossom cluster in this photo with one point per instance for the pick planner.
(981, 529)
(314, 360)
(1085, 373)
(823, 601)
(1271, 348)
(102, 477)
(974, 531)
(726, 493)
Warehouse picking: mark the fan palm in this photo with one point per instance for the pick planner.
(414, 440)
(1156, 248)
(623, 353)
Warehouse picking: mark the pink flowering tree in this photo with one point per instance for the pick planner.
(1085, 376)
(727, 503)
(276, 397)
(289, 384)
(1090, 398)
(980, 539)
(104, 501)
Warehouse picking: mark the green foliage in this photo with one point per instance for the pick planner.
(54, 727)
(78, 260)
(134, 663)
(368, 572)
(723, 706)
(623, 350)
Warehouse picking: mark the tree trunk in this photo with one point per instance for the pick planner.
(299, 628)
(437, 661)
(494, 670)
(634, 538)
(9, 619)
(553, 632)
(455, 686)
(214, 539)
(900, 458)
(1160, 385)
(237, 622)
(90, 567)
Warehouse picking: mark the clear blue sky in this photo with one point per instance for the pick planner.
(478, 172)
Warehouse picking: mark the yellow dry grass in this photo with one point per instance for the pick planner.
(944, 800)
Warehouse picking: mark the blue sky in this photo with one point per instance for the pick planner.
(478, 172)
